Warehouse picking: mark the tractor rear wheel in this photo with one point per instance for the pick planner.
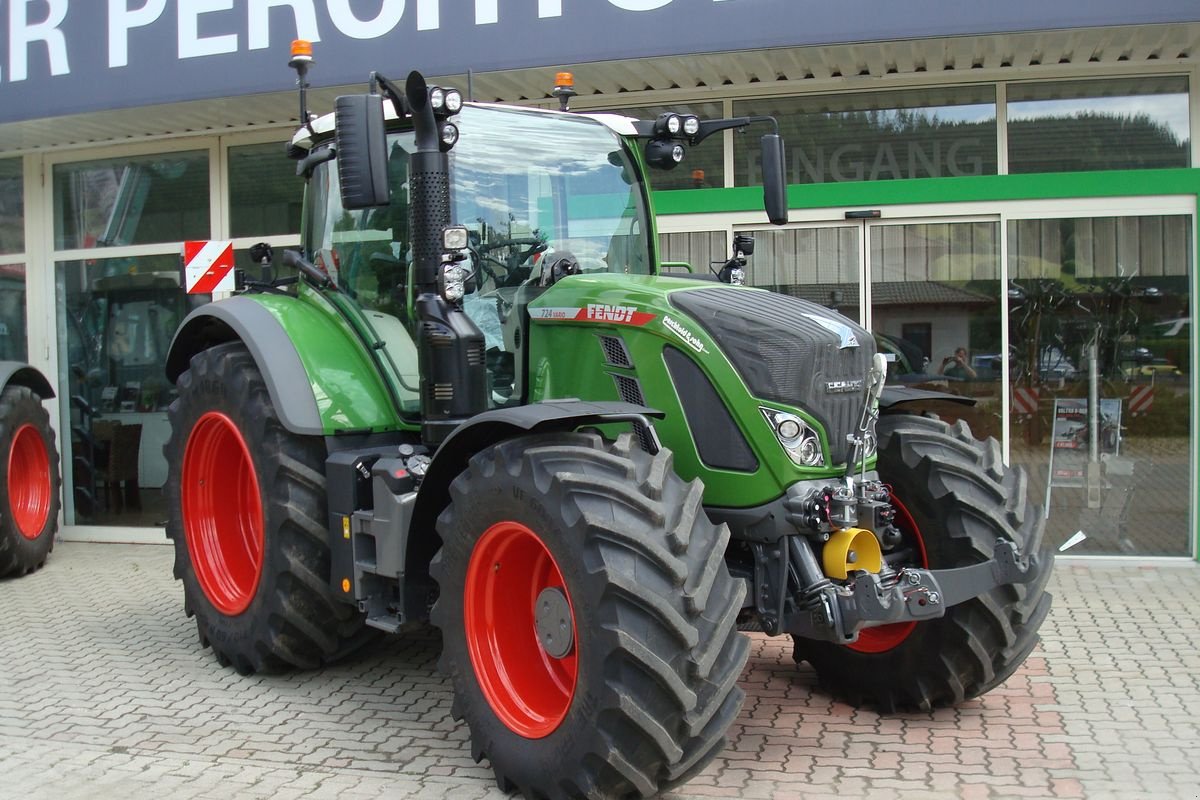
(955, 499)
(29, 482)
(587, 616)
(247, 514)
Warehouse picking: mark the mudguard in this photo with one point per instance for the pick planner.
(328, 385)
(898, 395)
(20, 374)
(484, 430)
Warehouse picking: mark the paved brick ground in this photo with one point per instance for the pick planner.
(104, 693)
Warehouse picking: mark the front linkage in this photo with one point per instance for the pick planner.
(795, 594)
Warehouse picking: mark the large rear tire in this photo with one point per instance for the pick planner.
(29, 482)
(955, 499)
(247, 514)
(587, 616)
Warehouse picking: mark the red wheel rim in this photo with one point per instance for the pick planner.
(29, 487)
(885, 637)
(527, 688)
(222, 513)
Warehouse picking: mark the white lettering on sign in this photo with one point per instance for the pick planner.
(122, 19)
(639, 5)
(22, 33)
(191, 43)
(389, 16)
(304, 15)
(608, 313)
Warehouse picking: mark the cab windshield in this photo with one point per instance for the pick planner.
(530, 186)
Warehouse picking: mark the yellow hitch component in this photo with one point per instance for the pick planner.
(850, 549)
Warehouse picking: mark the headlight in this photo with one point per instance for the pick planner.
(454, 101)
(691, 126)
(797, 437)
(454, 282)
(437, 98)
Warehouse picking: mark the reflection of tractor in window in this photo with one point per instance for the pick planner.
(654, 463)
(118, 398)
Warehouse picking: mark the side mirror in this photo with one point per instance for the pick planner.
(774, 181)
(362, 151)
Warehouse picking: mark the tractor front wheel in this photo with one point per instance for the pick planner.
(955, 499)
(247, 513)
(29, 482)
(587, 616)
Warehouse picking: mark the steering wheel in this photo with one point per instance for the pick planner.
(521, 249)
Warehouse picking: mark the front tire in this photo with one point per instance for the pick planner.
(247, 514)
(29, 482)
(587, 616)
(955, 499)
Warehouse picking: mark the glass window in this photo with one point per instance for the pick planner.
(1107, 297)
(820, 264)
(124, 201)
(703, 251)
(1133, 123)
(12, 206)
(116, 318)
(265, 195)
(704, 166)
(13, 330)
(869, 136)
(935, 310)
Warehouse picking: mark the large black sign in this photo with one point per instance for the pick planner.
(68, 56)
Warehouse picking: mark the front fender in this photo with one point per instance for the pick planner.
(20, 374)
(319, 375)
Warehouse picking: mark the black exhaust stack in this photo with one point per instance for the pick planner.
(450, 346)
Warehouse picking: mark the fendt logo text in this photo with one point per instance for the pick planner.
(606, 313)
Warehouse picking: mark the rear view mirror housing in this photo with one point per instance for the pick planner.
(361, 142)
(774, 180)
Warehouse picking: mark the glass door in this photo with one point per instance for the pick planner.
(934, 303)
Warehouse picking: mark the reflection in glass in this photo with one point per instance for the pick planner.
(704, 166)
(1109, 298)
(935, 306)
(13, 328)
(12, 207)
(818, 264)
(265, 195)
(124, 201)
(869, 136)
(116, 318)
(1067, 126)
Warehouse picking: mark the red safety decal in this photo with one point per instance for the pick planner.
(593, 312)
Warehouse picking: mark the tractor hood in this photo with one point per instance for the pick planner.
(757, 348)
(789, 351)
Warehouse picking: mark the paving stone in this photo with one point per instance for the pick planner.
(105, 693)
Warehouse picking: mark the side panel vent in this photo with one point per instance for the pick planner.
(631, 392)
(615, 352)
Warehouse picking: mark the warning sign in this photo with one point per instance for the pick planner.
(208, 267)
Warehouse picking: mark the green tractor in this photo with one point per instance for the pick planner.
(477, 403)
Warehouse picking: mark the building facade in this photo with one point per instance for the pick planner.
(1007, 197)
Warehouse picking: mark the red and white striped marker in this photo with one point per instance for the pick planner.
(1141, 398)
(208, 267)
(1024, 401)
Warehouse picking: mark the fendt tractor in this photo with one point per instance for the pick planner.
(473, 400)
